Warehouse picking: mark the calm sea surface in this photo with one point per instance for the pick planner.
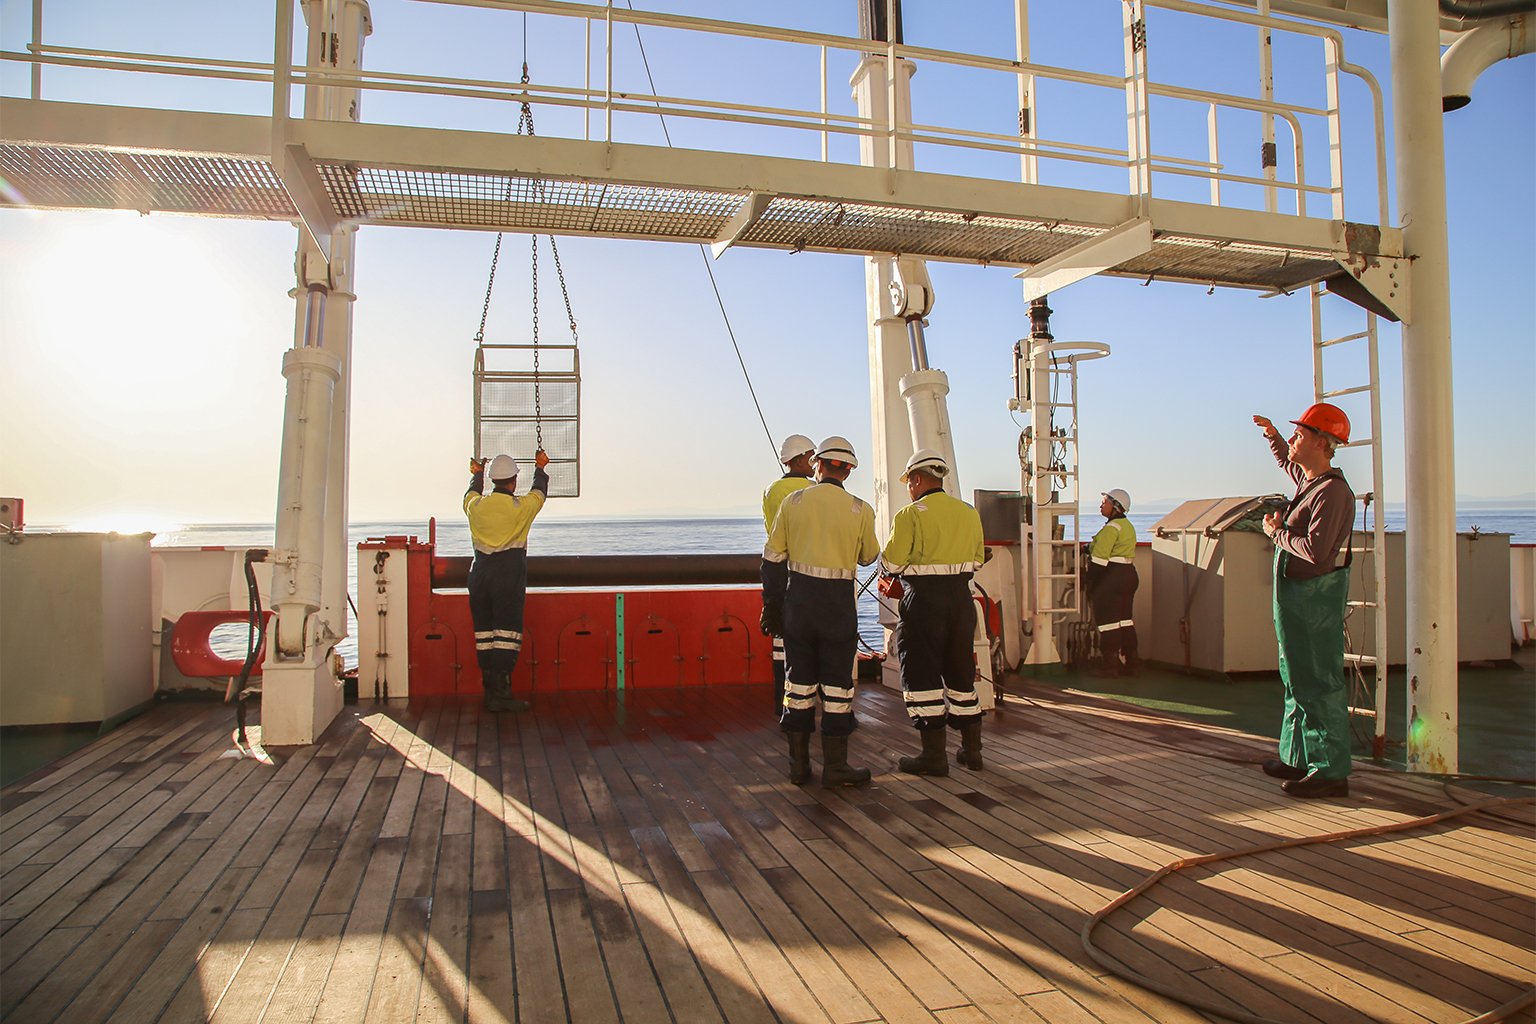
(552, 535)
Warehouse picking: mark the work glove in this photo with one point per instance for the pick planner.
(890, 586)
(540, 459)
(772, 620)
(476, 466)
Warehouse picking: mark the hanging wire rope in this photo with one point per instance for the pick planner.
(729, 330)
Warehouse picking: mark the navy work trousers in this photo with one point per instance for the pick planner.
(938, 663)
(498, 586)
(821, 635)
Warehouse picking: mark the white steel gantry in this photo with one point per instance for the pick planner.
(330, 172)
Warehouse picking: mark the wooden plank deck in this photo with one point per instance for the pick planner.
(643, 860)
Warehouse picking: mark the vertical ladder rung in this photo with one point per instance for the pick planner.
(1348, 391)
(1348, 337)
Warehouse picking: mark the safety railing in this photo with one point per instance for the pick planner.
(1146, 157)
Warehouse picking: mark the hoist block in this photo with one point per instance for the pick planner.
(526, 395)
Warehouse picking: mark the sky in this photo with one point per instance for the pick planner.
(140, 357)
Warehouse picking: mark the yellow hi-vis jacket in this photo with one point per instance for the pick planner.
(823, 531)
(775, 493)
(1116, 542)
(500, 521)
(936, 535)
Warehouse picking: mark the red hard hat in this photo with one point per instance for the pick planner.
(1326, 419)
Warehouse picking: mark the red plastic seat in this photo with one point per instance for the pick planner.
(192, 644)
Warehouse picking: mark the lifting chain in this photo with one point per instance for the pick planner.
(525, 122)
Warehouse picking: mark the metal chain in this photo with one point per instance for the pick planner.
(485, 310)
(525, 120)
(538, 412)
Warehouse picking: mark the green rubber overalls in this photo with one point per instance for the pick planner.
(1309, 625)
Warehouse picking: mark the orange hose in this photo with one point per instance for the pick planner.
(1114, 966)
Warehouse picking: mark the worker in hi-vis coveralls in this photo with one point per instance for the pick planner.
(1112, 584)
(498, 577)
(820, 537)
(936, 546)
(795, 456)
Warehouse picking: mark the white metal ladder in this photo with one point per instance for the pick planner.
(1365, 649)
(1053, 469)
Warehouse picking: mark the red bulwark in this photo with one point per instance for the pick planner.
(671, 636)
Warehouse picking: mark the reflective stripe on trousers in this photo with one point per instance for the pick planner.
(498, 585)
(938, 664)
(821, 633)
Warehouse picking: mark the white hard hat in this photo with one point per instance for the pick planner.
(1119, 497)
(928, 461)
(794, 446)
(837, 449)
(503, 467)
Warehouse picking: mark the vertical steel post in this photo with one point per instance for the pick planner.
(1029, 104)
(37, 41)
(1335, 136)
(1137, 127)
(1428, 425)
(1268, 159)
(1042, 641)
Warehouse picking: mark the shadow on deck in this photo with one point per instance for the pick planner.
(643, 859)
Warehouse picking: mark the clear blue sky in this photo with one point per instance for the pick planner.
(140, 376)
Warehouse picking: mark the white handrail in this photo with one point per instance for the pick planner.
(894, 130)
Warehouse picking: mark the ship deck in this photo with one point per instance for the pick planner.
(643, 859)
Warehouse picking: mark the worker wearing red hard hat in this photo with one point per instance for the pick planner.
(1310, 595)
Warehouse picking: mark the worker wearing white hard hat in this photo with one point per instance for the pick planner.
(935, 548)
(498, 577)
(820, 537)
(795, 456)
(1112, 583)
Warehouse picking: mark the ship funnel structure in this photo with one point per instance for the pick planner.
(312, 374)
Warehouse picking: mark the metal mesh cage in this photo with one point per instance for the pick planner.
(516, 403)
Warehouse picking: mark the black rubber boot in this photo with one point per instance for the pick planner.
(1128, 650)
(1109, 655)
(969, 754)
(499, 694)
(834, 768)
(932, 761)
(799, 757)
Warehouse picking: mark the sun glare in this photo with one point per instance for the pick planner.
(126, 521)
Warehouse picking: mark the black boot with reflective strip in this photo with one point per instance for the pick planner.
(932, 761)
(969, 754)
(799, 757)
(834, 768)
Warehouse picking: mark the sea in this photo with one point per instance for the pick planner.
(553, 535)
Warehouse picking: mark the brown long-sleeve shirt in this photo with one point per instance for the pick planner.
(1317, 525)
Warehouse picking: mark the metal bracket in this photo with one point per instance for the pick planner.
(745, 216)
(301, 180)
(1376, 283)
(1102, 252)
